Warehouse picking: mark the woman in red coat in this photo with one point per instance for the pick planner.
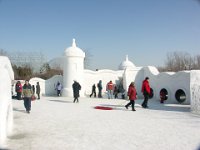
(132, 96)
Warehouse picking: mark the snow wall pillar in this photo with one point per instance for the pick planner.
(194, 91)
(6, 108)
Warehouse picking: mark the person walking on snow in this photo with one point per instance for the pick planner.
(132, 94)
(59, 88)
(27, 93)
(93, 90)
(146, 92)
(76, 88)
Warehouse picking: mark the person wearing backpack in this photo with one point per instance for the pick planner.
(146, 90)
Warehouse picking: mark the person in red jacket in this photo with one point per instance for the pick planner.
(146, 92)
(18, 90)
(132, 96)
(109, 89)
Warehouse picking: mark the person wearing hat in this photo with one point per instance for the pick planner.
(132, 94)
(146, 92)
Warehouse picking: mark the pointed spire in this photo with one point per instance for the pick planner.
(74, 43)
(126, 57)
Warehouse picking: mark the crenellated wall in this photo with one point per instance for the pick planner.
(181, 87)
(176, 87)
(170, 81)
(6, 108)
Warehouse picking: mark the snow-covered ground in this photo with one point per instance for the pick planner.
(57, 123)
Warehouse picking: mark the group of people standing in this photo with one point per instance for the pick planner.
(112, 90)
(99, 86)
(25, 92)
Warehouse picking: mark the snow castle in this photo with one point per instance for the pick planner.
(180, 87)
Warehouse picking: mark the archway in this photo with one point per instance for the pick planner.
(163, 95)
(180, 96)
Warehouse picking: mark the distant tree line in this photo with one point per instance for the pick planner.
(178, 61)
(27, 65)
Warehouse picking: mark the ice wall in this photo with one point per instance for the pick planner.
(93, 77)
(170, 81)
(6, 109)
(33, 81)
(50, 84)
(47, 87)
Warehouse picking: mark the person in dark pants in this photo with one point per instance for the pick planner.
(18, 89)
(59, 88)
(132, 96)
(99, 86)
(93, 90)
(146, 92)
(38, 90)
(27, 93)
(116, 91)
(76, 88)
(33, 89)
(162, 97)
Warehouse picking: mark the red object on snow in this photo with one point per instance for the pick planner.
(103, 108)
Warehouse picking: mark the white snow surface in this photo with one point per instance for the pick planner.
(58, 123)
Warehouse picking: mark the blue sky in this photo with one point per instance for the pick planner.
(146, 30)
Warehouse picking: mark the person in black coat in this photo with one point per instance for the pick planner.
(99, 85)
(93, 90)
(33, 89)
(38, 90)
(76, 88)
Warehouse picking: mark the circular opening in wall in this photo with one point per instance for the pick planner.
(151, 93)
(163, 94)
(180, 96)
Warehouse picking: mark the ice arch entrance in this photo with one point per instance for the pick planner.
(163, 94)
(180, 96)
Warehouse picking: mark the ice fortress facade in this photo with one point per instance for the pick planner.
(181, 87)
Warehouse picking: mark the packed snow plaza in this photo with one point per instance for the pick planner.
(58, 123)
